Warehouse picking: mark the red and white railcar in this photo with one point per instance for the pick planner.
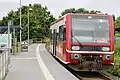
(83, 40)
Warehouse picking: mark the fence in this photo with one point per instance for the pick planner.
(3, 64)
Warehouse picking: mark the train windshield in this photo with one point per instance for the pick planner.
(90, 29)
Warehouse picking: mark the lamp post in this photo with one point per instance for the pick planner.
(29, 9)
(9, 24)
(20, 26)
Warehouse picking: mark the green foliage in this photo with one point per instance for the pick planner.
(71, 10)
(117, 47)
(46, 40)
(116, 69)
(1, 22)
(39, 21)
(117, 34)
(117, 25)
(79, 10)
(117, 22)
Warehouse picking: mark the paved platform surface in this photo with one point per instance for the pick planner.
(37, 64)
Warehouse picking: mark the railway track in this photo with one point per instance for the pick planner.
(89, 75)
(86, 75)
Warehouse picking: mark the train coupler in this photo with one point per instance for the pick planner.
(99, 62)
(90, 65)
(81, 60)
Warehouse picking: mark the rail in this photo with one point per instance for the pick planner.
(3, 64)
(90, 75)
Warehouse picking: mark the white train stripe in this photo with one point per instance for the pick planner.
(93, 52)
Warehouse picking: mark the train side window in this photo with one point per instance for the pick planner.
(62, 32)
(51, 34)
(52, 37)
(57, 36)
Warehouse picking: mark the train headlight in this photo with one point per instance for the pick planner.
(76, 56)
(105, 49)
(107, 57)
(75, 48)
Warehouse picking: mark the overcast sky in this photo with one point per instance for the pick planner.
(57, 6)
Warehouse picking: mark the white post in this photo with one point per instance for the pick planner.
(28, 27)
(9, 23)
(14, 42)
(20, 27)
(1, 67)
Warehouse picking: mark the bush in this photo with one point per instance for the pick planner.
(116, 69)
(39, 40)
(117, 47)
(46, 40)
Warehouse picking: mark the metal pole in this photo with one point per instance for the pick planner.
(9, 23)
(28, 27)
(20, 26)
(14, 50)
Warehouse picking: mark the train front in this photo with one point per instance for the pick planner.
(92, 41)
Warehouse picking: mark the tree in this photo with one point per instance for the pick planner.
(40, 20)
(117, 27)
(79, 10)
(1, 22)
(71, 10)
(117, 22)
(82, 10)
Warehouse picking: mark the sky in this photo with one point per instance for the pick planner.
(57, 6)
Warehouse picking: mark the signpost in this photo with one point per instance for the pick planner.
(9, 24)
(4, 40)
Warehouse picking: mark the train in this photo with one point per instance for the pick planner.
(83, 41)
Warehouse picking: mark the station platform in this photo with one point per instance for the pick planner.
(37, 64)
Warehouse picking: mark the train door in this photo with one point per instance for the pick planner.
(62, 42)
(54, 42)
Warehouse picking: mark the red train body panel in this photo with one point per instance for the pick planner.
(80, 38)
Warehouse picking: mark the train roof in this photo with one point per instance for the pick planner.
(61, 18)
(100, 14)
